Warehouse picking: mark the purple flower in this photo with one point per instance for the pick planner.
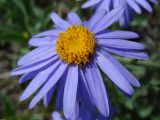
(66, 60)
(130, 7)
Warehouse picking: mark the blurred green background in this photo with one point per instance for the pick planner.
(20, 19)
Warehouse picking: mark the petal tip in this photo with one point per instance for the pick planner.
(131, 92)
(31, 105)
(20, 81)
(45, 103)
(13, 73)
(83, 6)
(138, 85)
(146, 56)
(22, 98)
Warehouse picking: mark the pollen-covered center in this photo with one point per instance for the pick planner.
(76, 45)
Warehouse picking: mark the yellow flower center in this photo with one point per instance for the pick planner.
(76, 45)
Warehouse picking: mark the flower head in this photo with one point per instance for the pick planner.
(66, 60)
(76, 44)
(130, 7)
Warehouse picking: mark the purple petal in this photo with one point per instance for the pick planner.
(33, 67)
(38, 81)
(60, 92)
(48, 97)
(85, 94)
(74, 18)
(57, 116)
(128, 53)
(39, 57)
(59, 22)
(85, 114)
(75, 115)
(94, 21)
(145, 5)
(117, 3)
(134, 6)
(119, 43)
(43, 41)
(97, 88)
(35, 55)
(28, 76)
(131, 79)
(49, 33)
(32, 74)
(109, 19)
(154, 1)
(49, 85)
(70, 91)
(112, 72)
(127, 15)
(117, 34)
(104, 5)
(90, 3)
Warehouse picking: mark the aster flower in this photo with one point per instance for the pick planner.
(66, 60)
(130, 6)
